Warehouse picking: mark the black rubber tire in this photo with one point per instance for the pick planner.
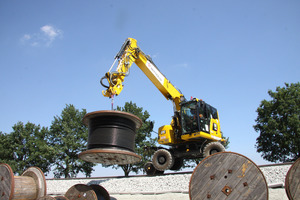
(213, 147)
(163, 160)
(151, 171)
(177, 164)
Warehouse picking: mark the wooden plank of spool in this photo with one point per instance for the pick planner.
(101, 192)
(292, 181)
(25, 188)
(227, 175)
(6, 182)
(81, 192)
(46, 198)
(52, 198)
(61, 198)
(110, 156)
(39, 178)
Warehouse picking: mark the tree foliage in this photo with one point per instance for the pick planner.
(142, 137)
(278, 123)
(26, 146)
(68, 135)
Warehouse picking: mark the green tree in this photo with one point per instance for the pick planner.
(69, 137)
(278, 123)
(25, 147)
(142, 137)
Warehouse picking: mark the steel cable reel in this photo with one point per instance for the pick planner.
(111, 138)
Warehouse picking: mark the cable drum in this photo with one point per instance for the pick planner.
(111, 137)
(111, 132)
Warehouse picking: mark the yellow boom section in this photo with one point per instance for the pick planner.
(130, 53)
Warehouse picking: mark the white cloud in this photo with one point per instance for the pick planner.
(26, 37)
(45, 37)
(182, 65)
(51, 32)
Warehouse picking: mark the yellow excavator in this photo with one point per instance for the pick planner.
(194, 131)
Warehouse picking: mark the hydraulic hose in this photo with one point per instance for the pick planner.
(101, 82)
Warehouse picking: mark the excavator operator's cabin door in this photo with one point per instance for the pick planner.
(204, 117)
(193, 118)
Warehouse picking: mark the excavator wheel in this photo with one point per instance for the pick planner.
(151, 171)
(163, 159)
(212, 148)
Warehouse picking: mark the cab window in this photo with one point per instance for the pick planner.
(189, 117)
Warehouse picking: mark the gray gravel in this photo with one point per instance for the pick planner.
(179, 183)
(275, 174)
(132, 185)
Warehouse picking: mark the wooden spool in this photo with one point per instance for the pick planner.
(7, 183)
(30, 185)
(53, 198)
(101, 192)
(111, 138)
(229, 176)
(292, 181)
(91, 192)
(81, 192)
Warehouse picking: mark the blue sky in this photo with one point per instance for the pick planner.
(227, 52)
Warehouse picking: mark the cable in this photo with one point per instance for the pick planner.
(104, 77)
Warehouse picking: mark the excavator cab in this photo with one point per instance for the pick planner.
(189, 115)
(198, 117)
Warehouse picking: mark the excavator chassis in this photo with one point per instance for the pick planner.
(172, 159)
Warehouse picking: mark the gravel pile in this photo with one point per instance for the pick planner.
(179, 183)
(275, 174)
(132, 185)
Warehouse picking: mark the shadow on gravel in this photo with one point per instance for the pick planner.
(95, 182)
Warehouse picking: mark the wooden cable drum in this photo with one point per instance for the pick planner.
(81, 192)
(87, 192)
(53, 198)
(111, 138)
(101, 192)
(30, 185)
(227, 175)
(292, 181)
(7, 183)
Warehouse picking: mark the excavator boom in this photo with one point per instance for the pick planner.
(130, 53)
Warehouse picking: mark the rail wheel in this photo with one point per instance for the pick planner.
(163, 160)
(150, 169)
(213, 147)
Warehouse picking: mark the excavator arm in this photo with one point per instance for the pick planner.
(130, 53)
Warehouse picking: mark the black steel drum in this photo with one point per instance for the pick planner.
(111, 138)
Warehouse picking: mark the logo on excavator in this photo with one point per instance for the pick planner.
(156, 72)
